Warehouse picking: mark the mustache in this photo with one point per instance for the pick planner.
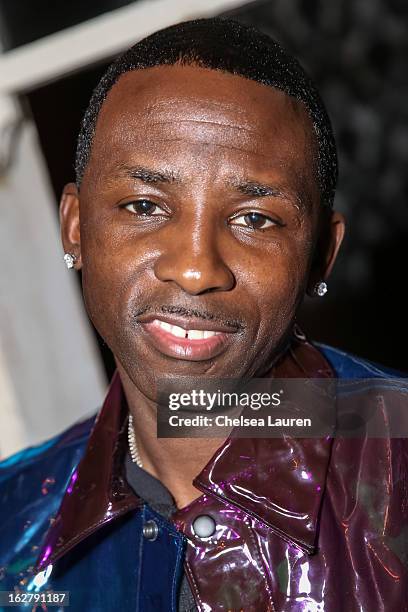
(190, 313)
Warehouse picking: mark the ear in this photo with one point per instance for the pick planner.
(69, 220)
(331, 234)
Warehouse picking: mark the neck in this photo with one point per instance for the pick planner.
(174, 461)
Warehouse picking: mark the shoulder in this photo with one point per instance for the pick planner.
(347, 365)
(32, 485)
(67, 443)
(22, 476)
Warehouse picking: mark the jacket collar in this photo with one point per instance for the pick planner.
(98, 491)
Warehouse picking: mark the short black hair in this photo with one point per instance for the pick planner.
(228, 46)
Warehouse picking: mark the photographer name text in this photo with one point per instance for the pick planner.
(223, 420)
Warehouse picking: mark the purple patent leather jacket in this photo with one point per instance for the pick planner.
(335, 540)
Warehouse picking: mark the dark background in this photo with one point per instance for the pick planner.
(356, 51)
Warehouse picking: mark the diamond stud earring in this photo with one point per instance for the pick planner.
(320, 289)
(69, 259)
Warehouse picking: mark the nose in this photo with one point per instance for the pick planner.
(191, 258)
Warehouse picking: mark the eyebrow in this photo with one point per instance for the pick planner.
(146, 175)
(259, 190)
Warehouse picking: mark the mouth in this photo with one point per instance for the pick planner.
(187, 339)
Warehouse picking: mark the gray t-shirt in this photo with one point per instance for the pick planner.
(159, 498)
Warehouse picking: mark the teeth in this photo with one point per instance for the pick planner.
(196, 334)
(177, 331)
(209, 334)
(165, 326)
(180, 332)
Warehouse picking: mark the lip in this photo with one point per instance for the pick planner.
(188, 323)
(185, 348)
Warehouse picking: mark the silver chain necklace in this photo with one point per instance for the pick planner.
(134, 453)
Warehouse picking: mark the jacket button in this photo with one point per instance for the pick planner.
(204, 526)
(150, 530)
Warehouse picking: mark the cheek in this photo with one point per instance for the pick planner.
(276, 283)
(116, 273)
(102, 252)
(103, 274)
(278, 274)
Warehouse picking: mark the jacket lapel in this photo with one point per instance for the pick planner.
(279, 481)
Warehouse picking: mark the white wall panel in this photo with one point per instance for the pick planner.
(50, 371)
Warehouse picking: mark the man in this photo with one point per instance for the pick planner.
(201, 215)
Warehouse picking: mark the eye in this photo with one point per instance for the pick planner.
(143, 208)
(254, 220)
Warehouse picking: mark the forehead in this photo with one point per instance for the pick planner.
(200, 106)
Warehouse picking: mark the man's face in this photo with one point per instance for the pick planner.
(199, 209)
